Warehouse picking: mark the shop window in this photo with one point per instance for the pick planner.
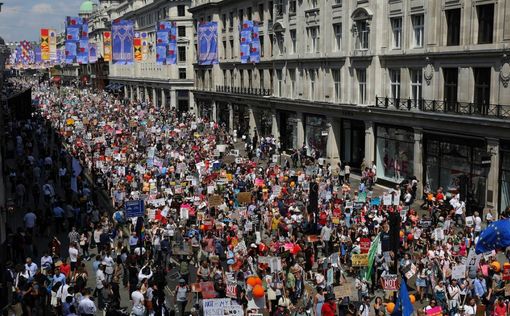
(395, 153)
(485, 23)
(396, 27)
(453, 27)
(418, 29)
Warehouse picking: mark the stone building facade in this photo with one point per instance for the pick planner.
(419, 87)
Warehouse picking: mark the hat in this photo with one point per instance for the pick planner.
(253, 245)
(330, 297)
(182, 281)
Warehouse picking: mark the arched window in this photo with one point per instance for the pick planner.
(361, 27)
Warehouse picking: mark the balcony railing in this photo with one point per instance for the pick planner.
(243, 90)
(448, 107)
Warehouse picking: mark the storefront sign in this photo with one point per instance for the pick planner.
(359, 260)
(390, 282)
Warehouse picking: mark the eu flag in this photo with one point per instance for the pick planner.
(495, 236)
(404, 307)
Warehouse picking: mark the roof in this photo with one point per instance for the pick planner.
(86, 7)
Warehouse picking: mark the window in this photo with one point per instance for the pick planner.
(395, 83)
(181, 31)
(485, 23)
(362, 85)
(292, 7)
(279, 8)
(224, 49)
(418, 28)
(311, 77)
(241, 78)
(271, 43)
(482, 89)
(396, 27)
(279, 43)
(181, 10)
(231, 19)
(231, 77)
(416, 85)
(337, 87)
(312, 4)
(271, 10)
(313, 39)
(261, 12)
(250, 81)
(231, 48)
(279, 82)
(182, 53)
(182, 73)
(261, 78)
(241, 16)
(293, 41)
(337, 2)
(362, 34)
(453, 27)
(451, 79)
(261, 40)
(223, 21)
(225, 78)
(249, 14)
(292, 76)
(337, 31)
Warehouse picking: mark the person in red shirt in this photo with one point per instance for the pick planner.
(329, 307)
(500, 308)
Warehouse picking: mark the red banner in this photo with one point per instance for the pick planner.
(45, 44)
(107, 46)
(506, 272)
(364, 244)
(207, 289)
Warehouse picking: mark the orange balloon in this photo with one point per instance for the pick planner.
(412, 298)
(292, 184)
(202, 227)
(258, 281)
(252, 281)
(401, 233)
(496, 266)
(390, 307)
(258, 291)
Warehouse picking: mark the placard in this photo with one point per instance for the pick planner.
(507, 289)
(409, 270)
(221, 306)
(359, 260)
(207, 289)
(506, 272)
(387, 199)
(215, 200)
(435, 311)
(244, 197)
(390, 282)
(364, 245)
(459, 272)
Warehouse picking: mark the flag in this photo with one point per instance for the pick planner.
(166, 43)
(145, 46)
(137, 46)
(374, 249)
(404, 306)
(92, 53)
(107, 46)
(45, 44)
(122, 42)
(495, 236)
(207, 33)
(53, 44)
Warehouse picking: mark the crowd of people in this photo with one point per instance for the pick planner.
(274, 238)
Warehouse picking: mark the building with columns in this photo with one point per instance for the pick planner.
(168, 86)
(419, 87)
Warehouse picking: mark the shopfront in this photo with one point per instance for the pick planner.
(288, 130)
(455, 163)
(222, 113)
(264, 121)
(505, 177)
(241, 119)
(353, 142)
(394, 153)
(316, 134)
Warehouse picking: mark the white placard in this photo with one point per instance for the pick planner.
(459, 271)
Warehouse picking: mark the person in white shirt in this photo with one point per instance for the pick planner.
(100, 283)
(31, 267)
(86, 307)
(478, 224)
(145, 273)
(138, 299)
(470, 308)
(46, 262)
(364, 309)
(109, 262)
(73, 256)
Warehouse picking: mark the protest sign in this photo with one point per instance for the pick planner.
(134, 208)
(387, 199)
(390, 282)
(459, 272)
(364, 244)
(435, 311)
(359, 260)
(215, 200)
(409, 270)
(244, 197)
(221, 306)
(207, 290)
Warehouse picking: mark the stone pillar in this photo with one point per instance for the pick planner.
(369, 141)
(417, 161)
(333, 142)
(192, 107)
(173, 99)
(214, 111)
(275, 128)
(300, 133)
(230, 118)
(252, 122)
(131, 93)
(125, 92)
(146, 94)
(138, 94)
(163, 98)
(492, 200)
(155, 97)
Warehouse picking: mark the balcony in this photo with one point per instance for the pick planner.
(496, 111)
(245, 91)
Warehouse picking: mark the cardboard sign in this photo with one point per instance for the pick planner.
(472, 262)
(359, 260)
(364, 245)
(346, 290)
(507, 289)
(387, 199)
(390, 282)
(221, 306)
(207, 289)
(215, 200)
(459, 272)
(244, 197)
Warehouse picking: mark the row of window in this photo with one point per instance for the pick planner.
(161, 14)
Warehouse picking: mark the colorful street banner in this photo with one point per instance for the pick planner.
(250, 42)
(145, 45)
(25, 52)
(52, 44)
(38, 55)
(137, 46)
(92, 53)
(107, 46)
(207, 43)
(166, 43)
(122, 40)
(45, 44)
(77, 41)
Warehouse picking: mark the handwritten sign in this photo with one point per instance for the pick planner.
(215, 200)
(359, 260)
(390, 282)
(244, 197)
(221, 306)
(459, 271)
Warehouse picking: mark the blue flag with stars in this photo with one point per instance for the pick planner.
(495, 236)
